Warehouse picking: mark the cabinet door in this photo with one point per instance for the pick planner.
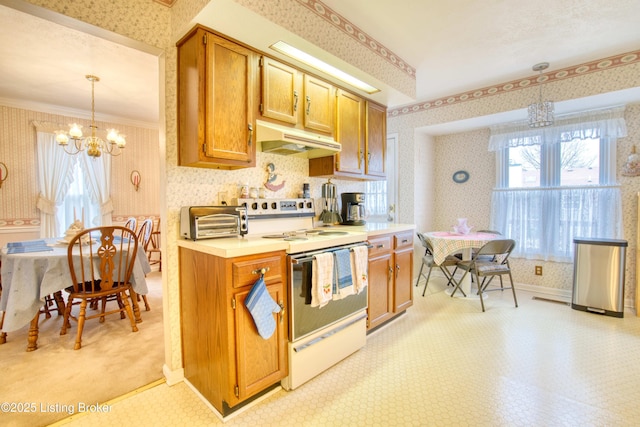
(349, 132)
(318, 105)
(376, 140)
(402, 285)
(380, 296)
(280, 96)
(260, 362)
(230, 81)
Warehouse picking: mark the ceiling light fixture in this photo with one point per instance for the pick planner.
(94, 145)
(320, 65)
(541, 112)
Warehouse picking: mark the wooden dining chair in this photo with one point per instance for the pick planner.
(100, 261)
(144, 238)
(153, 248)
(490, 261)
(131, 224)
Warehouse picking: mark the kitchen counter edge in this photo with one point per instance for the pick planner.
(250, 245)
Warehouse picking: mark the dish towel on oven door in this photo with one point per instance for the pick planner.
(322, 280)
(360, 262)
(344, 281)
(262, 306)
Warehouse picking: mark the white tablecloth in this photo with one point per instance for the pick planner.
(446, 243)
(27, 278)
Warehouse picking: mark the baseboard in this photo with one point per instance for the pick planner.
(173, 377)
(563, 295)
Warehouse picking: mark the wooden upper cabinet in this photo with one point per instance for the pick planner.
(350, 132)
(216, 90)
(280, 94)
(375, 141)
(292, 97)
(319, 98)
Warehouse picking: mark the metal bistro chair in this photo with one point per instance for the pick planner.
(99, 269)
(427, 260)
(490, 261)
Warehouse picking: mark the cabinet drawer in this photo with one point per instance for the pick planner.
(380, 245)
(246, 272)
(403, 240)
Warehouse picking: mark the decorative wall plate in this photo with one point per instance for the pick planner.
(460, 176)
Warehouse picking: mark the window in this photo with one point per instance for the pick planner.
(571, 163)
(77, 203)
(375, 200)
(557, 183)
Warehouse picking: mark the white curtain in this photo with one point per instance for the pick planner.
(595, 124)
(98, 178)
(544, 222)
(55, 174)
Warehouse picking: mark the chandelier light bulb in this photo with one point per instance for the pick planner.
(75, 130)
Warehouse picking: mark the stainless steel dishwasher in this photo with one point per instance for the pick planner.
(598, 276)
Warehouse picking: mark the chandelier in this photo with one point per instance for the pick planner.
(94, 145)
(541, 112)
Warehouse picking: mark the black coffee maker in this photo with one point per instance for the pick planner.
(353, 211)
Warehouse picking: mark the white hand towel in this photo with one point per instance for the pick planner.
(322, 280)
(359, 267)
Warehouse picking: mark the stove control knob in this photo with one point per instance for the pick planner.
(309, 205)
(301, 205)
(254, 206)
(274, 205)
(264, 205)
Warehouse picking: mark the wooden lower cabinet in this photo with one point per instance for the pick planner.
(390, 277)
(380, 304)
(224, 357)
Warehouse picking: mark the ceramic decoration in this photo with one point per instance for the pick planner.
(462, 227)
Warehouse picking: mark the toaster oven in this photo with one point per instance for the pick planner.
(210, 222)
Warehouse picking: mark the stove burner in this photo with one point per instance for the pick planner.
(332, 233)
(292, 238)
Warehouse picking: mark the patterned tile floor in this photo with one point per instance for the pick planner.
(445, 363)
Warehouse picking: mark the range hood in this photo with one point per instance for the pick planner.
(286, 141)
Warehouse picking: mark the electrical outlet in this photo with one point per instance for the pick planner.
(538, 270)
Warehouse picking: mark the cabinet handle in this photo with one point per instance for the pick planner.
(281, 304)
(260, 271)
(380, 246)
(390, 275)
(369, 157)
(295, 100)
(250, 134)
(308, 104)
(397, 270)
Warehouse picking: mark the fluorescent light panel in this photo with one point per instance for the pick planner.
(316, 63)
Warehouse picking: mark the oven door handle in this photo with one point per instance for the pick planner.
(310, 258)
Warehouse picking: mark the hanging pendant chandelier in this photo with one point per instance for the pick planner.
(541, 113)
(95, 146)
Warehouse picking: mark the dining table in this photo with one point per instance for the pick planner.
(28, 277)
(446, 243)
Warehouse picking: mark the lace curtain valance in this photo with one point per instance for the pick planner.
(590, 124)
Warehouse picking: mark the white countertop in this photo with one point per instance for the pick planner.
(230, 247)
